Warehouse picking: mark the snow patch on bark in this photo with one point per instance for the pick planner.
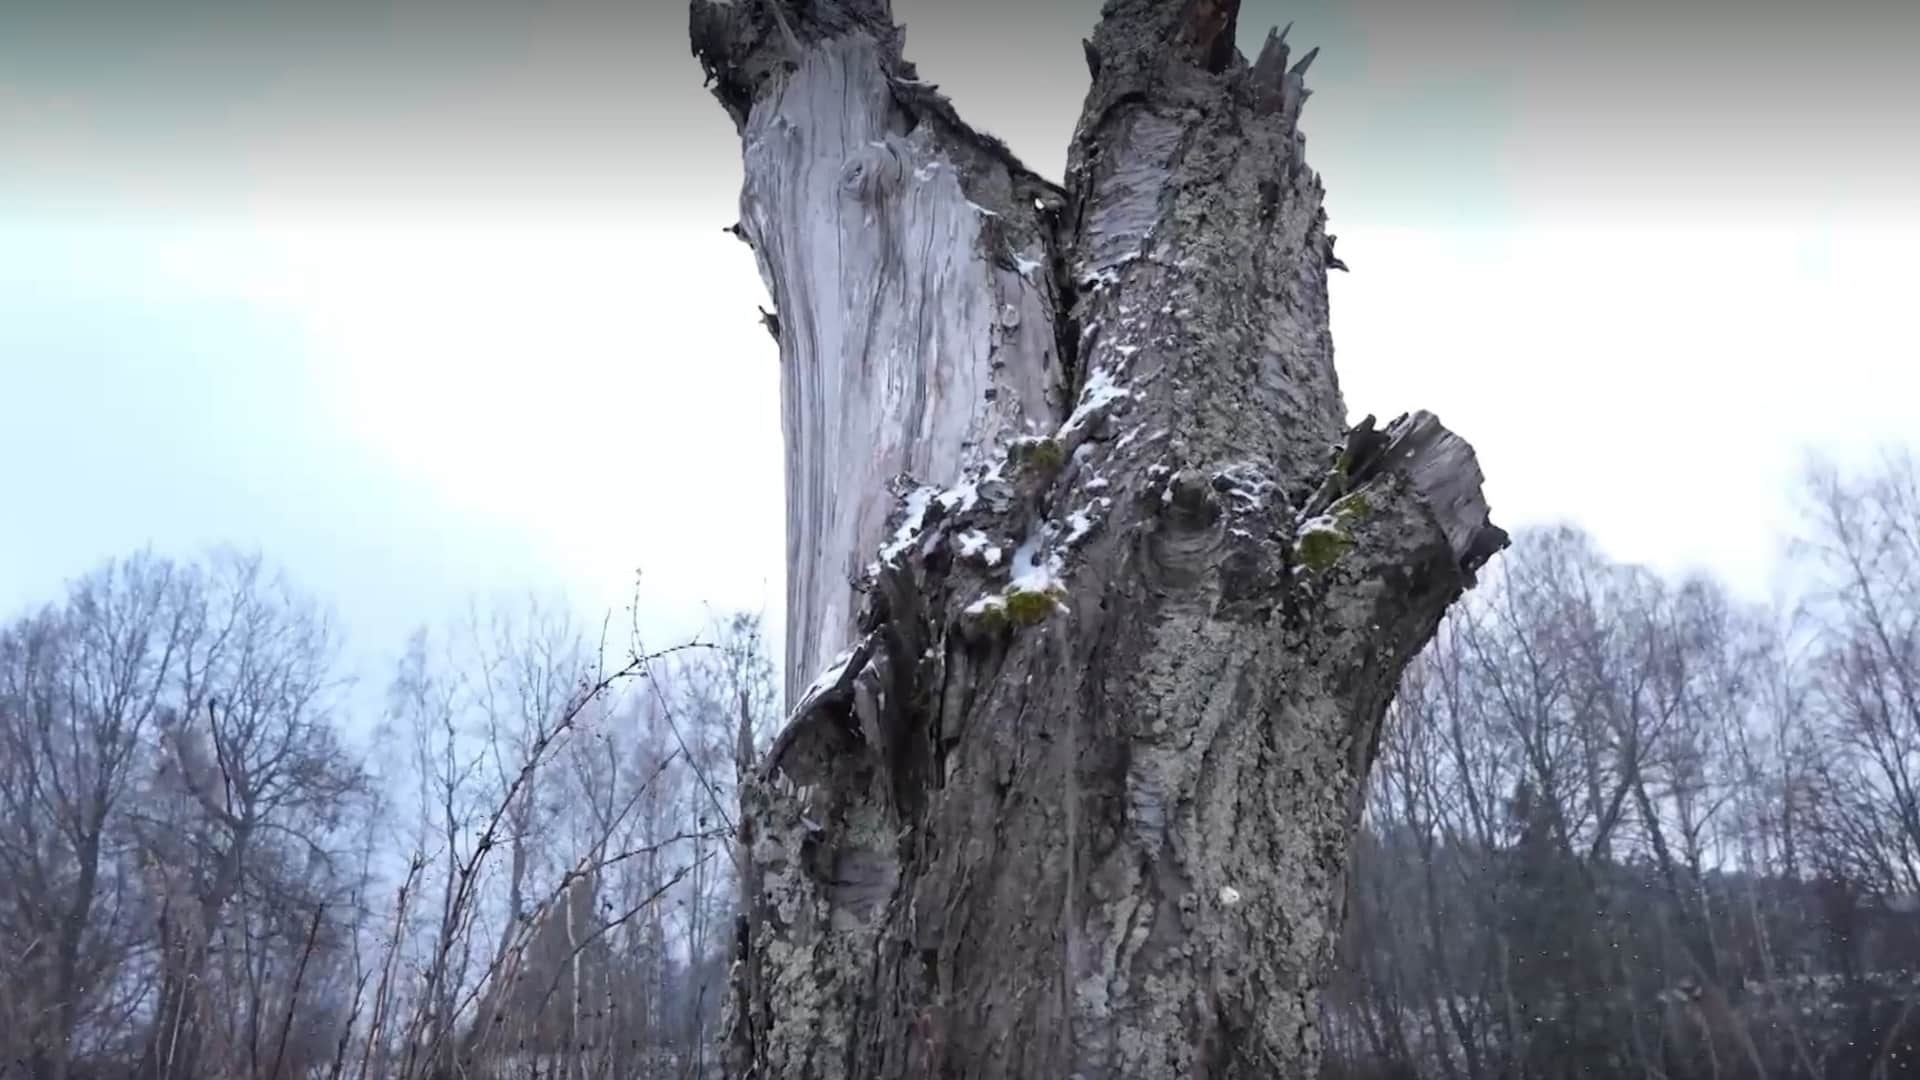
(916, 505)
(1245, 482)
(1036, 569)
(1082, 521)
(1098, 398)
(974, 544)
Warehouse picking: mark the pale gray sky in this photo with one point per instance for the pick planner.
(425, 299)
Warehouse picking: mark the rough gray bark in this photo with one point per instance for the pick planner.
(1118, 602)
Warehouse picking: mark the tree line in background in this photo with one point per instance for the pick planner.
(1622, 826)
(1619, 826)
(521, 869)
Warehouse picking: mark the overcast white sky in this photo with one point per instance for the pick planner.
(428, 300)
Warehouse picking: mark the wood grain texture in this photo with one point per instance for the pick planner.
(912, 278)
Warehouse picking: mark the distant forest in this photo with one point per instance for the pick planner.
(1624, 826)
(1620, 826)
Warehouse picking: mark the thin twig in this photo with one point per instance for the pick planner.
(666, 709)
(293, 997)
(614, 924)
(467, 871)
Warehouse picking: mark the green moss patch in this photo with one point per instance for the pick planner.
(1320, 548)
(1026, 607)
(1042, 454)
(1351, 510)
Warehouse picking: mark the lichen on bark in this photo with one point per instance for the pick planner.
(1106, 838)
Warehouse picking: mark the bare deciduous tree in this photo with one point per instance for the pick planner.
(81, 685)
(242, 827)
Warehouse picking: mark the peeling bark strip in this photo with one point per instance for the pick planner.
(1117, 602)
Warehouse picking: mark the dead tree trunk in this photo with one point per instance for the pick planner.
(1118, 601)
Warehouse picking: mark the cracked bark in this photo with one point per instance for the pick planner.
(1117, 599)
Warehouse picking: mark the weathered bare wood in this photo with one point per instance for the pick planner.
(1074, 799)
(910, 263)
